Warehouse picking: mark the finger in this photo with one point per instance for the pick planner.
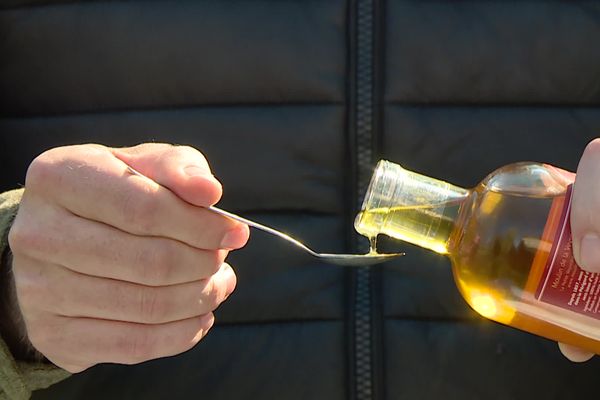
(70, 294)
(557, 176)
(87, 342)
(96, 249)
(585, 209)
(575, 354)
(182, 169)
(98, 187)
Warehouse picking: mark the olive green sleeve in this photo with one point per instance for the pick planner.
(17, 378)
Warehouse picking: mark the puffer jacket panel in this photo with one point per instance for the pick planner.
(269, 90)
(153, 54)
(492, 52)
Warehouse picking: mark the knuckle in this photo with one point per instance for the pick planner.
(42, 171)
(29, 294)
(151, 147)
(32, 292)
(183, 150)
(42, 288)
(214, 295)
(138, 210)
(155, 263)
(151, 307)
(20, 237)
(30, 234)
(164, 257)
(190, 153)
(49, 169)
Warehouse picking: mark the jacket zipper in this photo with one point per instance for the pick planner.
(364, 140)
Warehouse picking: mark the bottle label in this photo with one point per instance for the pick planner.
(562, 282)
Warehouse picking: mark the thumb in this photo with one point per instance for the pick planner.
(181, 169)
(585, 209)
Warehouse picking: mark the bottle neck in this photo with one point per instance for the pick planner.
(410, 207)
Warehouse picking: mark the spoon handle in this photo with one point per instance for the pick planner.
(243, 220)
(261, 227)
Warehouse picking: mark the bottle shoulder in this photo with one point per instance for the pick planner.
(530, 179)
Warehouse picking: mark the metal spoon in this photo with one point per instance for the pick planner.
(354, 260)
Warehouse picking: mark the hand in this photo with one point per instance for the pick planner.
(113, 267)
(585, 225)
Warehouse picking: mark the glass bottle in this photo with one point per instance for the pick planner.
(508, 239)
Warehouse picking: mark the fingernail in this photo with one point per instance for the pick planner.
(194, 170)
(235, 238)
(589, 252)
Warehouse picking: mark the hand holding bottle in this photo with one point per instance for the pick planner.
(585, 224)
(509, 241)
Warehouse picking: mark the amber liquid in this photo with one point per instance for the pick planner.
(491, 238)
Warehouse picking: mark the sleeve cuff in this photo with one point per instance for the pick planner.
(18, 379)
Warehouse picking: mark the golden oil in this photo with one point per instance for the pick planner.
(499, 237)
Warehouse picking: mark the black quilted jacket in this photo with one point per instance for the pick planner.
(292, 102)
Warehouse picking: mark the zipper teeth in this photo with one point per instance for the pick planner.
(364, 126)
(362, 334)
